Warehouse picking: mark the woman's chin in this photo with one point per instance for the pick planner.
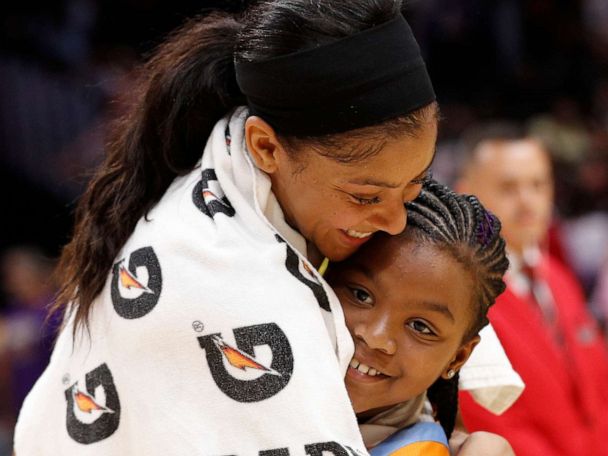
(335, 253)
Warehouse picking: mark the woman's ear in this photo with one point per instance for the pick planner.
(262, 143)
(461, 357)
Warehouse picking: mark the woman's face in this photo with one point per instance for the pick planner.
(337, 206)
(407, 308)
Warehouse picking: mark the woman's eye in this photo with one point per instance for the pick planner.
(361, 295)
(420, 327)
(366, 201)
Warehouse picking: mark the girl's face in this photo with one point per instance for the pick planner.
(337, 206)
(407, 308)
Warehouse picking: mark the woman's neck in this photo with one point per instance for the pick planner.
(314, 256)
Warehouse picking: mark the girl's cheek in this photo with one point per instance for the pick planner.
(349, 316)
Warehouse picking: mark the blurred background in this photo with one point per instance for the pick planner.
(66, 66)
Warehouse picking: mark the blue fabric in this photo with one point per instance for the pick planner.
(416, 433)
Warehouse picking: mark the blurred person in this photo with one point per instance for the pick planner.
(55, 87)
(26, 337)
(51, 90)
(585, 239)
(592, 174)
(594, 19)
(599, 297)
(600, 106)
(563, 131)
(585, 218)
(541, 319)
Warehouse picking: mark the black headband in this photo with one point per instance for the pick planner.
(354, 82)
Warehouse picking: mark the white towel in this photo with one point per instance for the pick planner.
(212, 336)
(488, 375)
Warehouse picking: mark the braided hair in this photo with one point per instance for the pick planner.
(461, 226)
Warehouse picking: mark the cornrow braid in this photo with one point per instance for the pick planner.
(463, 227)
(460, 225)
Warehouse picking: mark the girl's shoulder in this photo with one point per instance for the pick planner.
(421, 438)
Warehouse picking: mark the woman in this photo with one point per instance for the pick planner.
(195, 321)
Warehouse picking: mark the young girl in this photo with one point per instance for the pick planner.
(414, 304)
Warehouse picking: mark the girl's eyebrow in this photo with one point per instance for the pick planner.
(363, 269)
(439, 308)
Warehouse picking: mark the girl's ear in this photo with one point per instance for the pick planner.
(262, 143)
(461, 357)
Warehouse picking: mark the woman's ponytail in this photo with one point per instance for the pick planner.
(191, 85)
(184, 89)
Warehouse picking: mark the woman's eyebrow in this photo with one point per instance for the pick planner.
(374, 182)
(379, 183)
(426, 170)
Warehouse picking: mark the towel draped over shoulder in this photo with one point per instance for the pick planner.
(213, 334)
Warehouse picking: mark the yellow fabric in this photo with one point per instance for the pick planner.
(422, 449)
(323, 267)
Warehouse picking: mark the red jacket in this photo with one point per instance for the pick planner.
(564, 407)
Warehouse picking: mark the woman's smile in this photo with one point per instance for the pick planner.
(337, 206)
(355, 238)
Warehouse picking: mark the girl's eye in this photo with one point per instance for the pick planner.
(421, 327)
(361, 295)
(366, 201)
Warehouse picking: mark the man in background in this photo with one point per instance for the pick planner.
(541, 319)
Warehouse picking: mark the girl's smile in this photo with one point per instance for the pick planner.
(363, 372)
(407, 306)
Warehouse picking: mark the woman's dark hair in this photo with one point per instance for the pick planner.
(182, 91)
(459, 225)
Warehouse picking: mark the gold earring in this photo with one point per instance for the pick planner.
(451, 373)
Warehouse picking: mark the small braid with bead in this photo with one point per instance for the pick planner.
(460, 225)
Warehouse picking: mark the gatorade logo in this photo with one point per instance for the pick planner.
(136, 286)
(256, 367)
(209, 197)
(317, 449)
(93, 411)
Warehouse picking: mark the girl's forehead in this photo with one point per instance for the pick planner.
(409, 262)
(386, 254)
(410, 275)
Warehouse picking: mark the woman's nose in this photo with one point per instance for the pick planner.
(391, 217)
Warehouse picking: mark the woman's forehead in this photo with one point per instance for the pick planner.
(392, 166)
